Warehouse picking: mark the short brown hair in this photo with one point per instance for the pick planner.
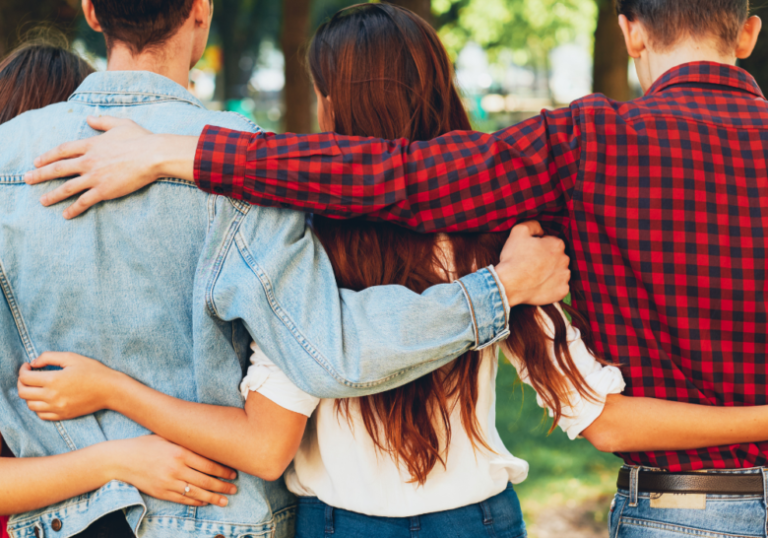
(141, 24)
(668, 21)
(37, 74)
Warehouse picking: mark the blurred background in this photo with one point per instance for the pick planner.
(513, 58)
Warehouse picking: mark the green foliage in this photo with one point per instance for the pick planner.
(530, 28)
(561, 471)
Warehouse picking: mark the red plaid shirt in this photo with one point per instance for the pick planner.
(664, 200)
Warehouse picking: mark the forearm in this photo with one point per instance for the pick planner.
(223, 434)
(32, 483)
(416, 185)
(645, 424)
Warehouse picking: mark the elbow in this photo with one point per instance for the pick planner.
(270, 468)
(604, 439)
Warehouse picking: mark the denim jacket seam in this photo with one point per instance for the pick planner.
(310, 349)
(492, 321)
(475, 328)
(224, 251)
(160, 98)
(26, 339)
(504, 302)
(20, 522)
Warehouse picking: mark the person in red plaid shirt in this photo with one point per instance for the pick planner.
(664, 200)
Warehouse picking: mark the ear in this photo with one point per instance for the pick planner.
(90, 16)
(634, 36)
(202, 11)
(748, 38)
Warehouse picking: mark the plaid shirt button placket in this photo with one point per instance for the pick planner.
(664, 200)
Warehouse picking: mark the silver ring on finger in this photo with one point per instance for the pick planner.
(187, 489)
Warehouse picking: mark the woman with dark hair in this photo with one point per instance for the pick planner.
(40, 73)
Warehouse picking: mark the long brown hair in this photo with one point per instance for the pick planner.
(388, 76)
(39, 73)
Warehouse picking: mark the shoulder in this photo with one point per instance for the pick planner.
(25, 137)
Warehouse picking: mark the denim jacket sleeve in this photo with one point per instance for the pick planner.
(272, 273)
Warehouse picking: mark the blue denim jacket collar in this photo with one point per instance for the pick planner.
(130, 87)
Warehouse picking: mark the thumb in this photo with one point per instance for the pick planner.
(532, 228)
(105, 123)
(50, 359)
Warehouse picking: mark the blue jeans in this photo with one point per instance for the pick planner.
(725, 516)
(498, 517)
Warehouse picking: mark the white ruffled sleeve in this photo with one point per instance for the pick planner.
(603, 380)
(266, 378)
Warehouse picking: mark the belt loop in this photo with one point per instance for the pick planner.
(329, 528)
(415, 526)
(487, 514)
(634, 473)
(764, 472)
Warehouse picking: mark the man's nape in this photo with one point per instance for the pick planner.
(652, 58)
(188, 24)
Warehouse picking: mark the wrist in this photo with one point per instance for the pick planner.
(514, 295)
(109, 457)
(114, 395)
(175, 156)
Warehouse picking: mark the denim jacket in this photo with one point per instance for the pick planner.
(170, 285)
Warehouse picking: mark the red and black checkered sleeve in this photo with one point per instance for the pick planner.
(462, 181)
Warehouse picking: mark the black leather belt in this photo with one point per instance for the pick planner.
(715, 484)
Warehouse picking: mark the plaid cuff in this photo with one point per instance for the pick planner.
(220, 161)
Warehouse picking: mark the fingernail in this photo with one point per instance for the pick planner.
(28, 177)
(223, 502)
(44, 200)
(232, 491)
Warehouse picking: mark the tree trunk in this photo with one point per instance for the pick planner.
(423, 8)
(611, 69)
(19, 16)
(298, 89)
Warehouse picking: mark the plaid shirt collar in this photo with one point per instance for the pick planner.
(707, 73)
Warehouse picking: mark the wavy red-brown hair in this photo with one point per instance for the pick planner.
(388, 75)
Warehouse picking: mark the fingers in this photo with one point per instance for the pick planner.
(30, 393)
(83, 204)
(178, 498)
(105, 123)
(50, 358)
(207, 489)
(531, 227)
(34, 378)
(68, 150)
(67, 190)
(209, 467)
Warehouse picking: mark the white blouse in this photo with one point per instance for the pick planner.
(338, 462)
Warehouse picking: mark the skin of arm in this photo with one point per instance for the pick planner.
(260, 440)
(151, 464)
(630, 424)
(89, 386)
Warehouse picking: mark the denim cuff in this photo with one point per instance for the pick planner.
(488, 305)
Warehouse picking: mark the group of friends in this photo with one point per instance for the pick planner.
(236, 334)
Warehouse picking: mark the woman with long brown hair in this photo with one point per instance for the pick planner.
(425, 459)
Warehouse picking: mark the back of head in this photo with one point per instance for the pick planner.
(141, 24)
(387, 73)
(39, 73)
(670, 21)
